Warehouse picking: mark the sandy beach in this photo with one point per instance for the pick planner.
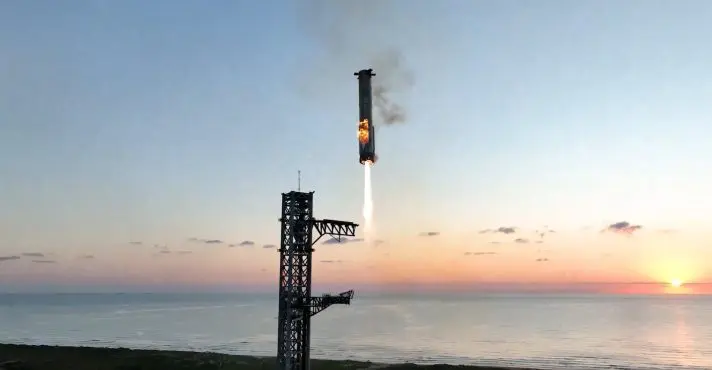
(26, 357)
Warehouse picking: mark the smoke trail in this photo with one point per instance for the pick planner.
(391, 76)
(367, 203)
(352, 35)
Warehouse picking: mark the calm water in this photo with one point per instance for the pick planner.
(552, 332)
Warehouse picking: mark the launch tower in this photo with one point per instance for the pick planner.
(296, 305)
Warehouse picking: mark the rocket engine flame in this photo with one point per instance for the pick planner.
(363, 131)
(367, 202)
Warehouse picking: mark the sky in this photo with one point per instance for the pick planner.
(547, 145)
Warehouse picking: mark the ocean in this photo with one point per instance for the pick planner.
(546, 332)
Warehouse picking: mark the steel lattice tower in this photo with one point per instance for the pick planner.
(296, 305)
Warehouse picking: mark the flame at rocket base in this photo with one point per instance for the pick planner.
(367, 202)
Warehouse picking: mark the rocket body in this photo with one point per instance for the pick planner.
(366, 132)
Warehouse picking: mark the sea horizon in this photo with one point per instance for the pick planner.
(584, 288)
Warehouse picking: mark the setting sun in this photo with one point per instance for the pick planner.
(676, 283)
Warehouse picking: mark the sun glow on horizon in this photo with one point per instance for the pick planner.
(676, 283)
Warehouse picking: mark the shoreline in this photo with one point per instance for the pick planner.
(45, 357)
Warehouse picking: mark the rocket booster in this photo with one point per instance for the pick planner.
(366, 137)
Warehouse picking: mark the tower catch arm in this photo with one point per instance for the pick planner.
(319, 304)
(333, 228)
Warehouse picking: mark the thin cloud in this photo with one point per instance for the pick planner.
(342, 240)
(430, 233)
(539, 241)
(9, 258)
(162, 249)
(136, 243)
(378, 242)
(44, 261)
(495, 242)
(331, 261)
(244, 243)
(623, 228)
(480, 253)
(506, 230)
(184, 252)
(542, 260)
(87, 257)
(668, 231)
(269, 246)
(206, 241)
(33, 254)
(501, 229)
(521, 241)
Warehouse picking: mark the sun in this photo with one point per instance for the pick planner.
(676, 283)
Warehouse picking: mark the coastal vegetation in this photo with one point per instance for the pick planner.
(26, 357)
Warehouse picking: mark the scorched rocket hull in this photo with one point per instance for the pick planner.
(366, 132)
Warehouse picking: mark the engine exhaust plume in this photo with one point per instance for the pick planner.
(367, 203)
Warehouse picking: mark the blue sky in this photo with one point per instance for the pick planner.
(163, 120)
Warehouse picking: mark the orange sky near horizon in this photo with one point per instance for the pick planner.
(565, 260)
